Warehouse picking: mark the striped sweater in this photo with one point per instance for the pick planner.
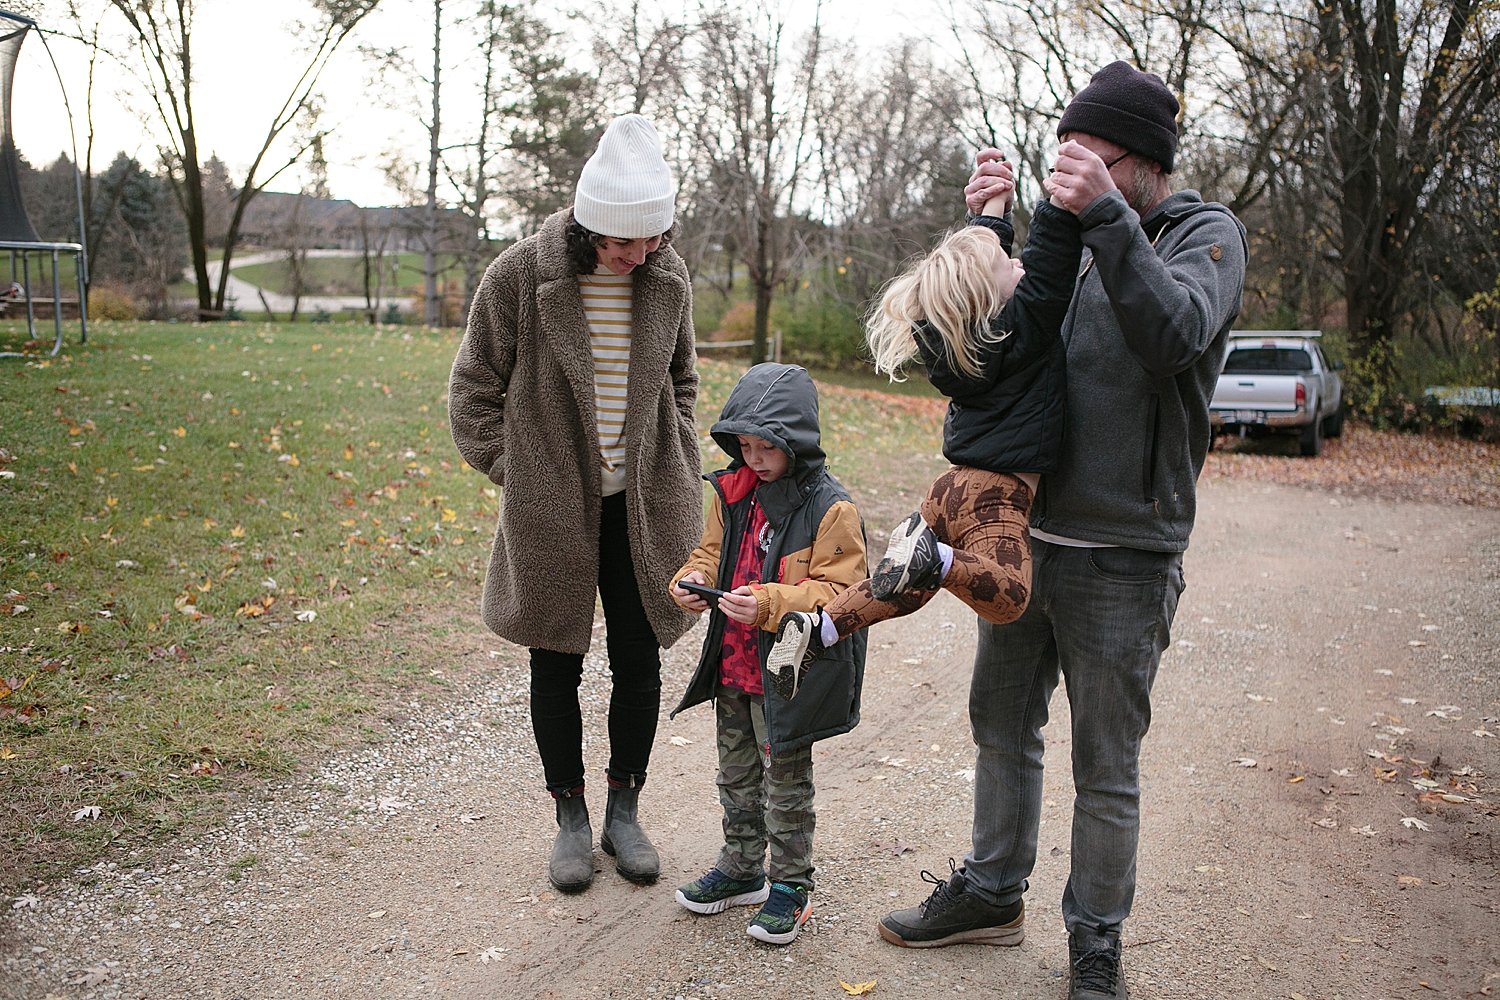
(606, 307)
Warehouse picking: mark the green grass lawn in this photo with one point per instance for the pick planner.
(225, 548)
(345, 275)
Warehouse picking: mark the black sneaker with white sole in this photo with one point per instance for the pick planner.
(911, 561)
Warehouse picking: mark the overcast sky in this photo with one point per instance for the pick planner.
(246, 64)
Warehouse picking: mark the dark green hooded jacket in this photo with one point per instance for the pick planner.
(816, 550)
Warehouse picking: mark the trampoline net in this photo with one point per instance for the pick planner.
(14, 223)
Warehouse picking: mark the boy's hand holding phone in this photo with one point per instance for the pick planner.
(740, 604)
(693, 592)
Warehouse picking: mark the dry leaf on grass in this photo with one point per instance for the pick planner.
(857, 989)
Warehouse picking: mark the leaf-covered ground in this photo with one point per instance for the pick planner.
(1364, 462)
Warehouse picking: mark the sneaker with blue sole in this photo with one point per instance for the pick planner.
(716, 892)
(781, 919)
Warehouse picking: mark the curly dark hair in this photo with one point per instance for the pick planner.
(583, 244)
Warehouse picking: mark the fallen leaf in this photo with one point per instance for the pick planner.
(1412, 823)
(679, 741)
(387, 804)
(1244, 761)
(1327, 823)
(91, 977)
(471, 817)
(1408, 880)
(375, 914)
(1363, 831)
(1296, 778)
(87, 812)
(491, 955)
(307, 616)
(858, 989)
(26, 902)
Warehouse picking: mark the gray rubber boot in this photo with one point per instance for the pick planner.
(571, 868)
(635, 857)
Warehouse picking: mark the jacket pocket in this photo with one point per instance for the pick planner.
(1148, 451)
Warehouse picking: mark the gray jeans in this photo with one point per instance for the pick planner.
(1100, 618)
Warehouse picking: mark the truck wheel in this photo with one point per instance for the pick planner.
(1333, 426)
(1311, 439)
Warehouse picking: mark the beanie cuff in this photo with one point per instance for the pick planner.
(633, 221)
(1121, 127)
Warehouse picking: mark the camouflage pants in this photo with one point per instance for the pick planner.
(984, 516)
(768, 800)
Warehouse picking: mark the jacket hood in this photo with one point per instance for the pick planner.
(780, 404)
(1180, 205)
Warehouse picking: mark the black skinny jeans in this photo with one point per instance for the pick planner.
(634, 666)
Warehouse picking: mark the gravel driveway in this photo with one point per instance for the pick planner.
(1319, 816)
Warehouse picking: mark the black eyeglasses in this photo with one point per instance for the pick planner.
(1107, 166)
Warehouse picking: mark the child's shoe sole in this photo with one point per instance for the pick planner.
(761, 934)
(894, 568)
(784, 661)
(754, 898)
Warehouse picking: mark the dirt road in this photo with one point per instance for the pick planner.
(1320, 815)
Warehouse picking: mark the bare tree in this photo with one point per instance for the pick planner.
(1375, 114)
(163, 33)
(752, 123)
(893, 162)
(638, 54)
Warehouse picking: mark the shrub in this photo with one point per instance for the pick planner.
(112, 302)
(821, 332)
(737, 323)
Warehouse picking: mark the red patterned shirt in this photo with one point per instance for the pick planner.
(739, 665)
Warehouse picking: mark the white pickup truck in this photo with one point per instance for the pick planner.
(1279, 381)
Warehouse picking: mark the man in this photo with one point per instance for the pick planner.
(1145, 336)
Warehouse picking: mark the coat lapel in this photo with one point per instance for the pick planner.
(564, 333)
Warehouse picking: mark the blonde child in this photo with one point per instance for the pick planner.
(986, 327)
(782, 536)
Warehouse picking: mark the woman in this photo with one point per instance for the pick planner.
(573, 390)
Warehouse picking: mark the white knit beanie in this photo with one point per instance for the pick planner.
(625, 189)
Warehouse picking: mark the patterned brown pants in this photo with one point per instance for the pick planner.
(983, 515)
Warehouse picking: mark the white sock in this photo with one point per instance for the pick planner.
(945, 552)
(826, 632)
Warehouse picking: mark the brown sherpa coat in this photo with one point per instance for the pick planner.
(521, 407)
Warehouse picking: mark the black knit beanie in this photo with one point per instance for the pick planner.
(1127, 107)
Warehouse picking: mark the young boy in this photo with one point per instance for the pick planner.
(782, 536)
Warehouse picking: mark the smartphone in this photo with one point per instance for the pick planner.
(709, 594)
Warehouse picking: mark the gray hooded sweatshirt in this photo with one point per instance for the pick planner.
(1145, 338)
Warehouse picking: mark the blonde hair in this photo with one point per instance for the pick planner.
(953, 289)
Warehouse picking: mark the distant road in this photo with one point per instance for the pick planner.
(249, 298)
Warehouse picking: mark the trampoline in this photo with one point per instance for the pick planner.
(18, 238)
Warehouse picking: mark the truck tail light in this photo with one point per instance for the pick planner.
(1301, 394)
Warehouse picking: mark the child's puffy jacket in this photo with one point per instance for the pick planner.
(816, 550)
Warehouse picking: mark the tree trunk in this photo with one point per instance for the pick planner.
(431, 313)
